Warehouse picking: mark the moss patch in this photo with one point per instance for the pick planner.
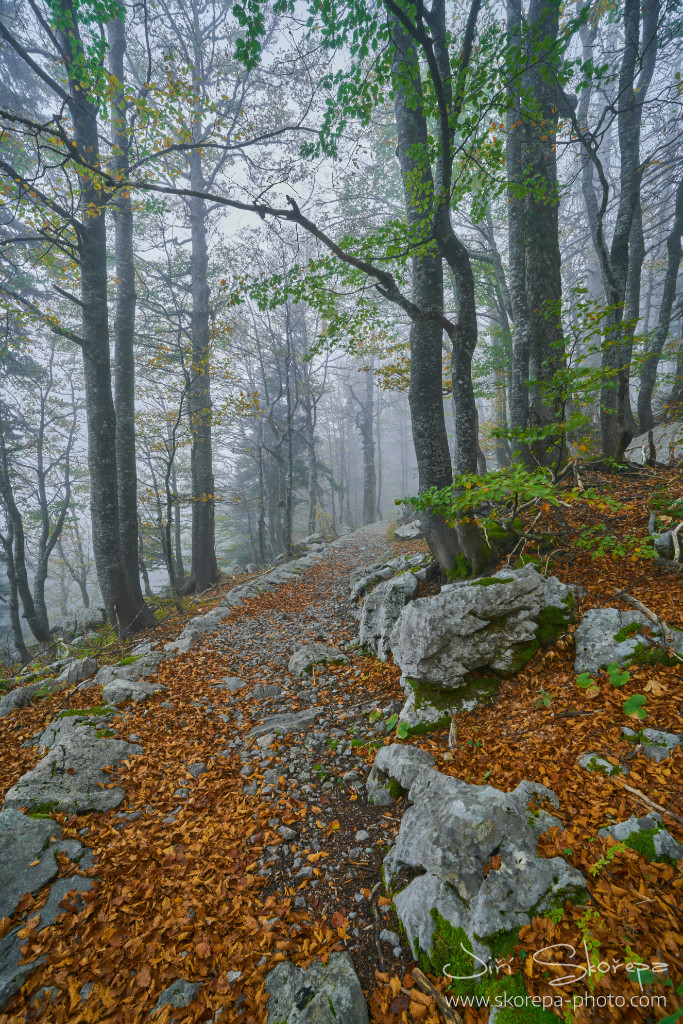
(642, 841)
(650, 654)
(101, 709)
(626, 632)
(454, 701)
(489, 581)
(43, 810)
(452, 950)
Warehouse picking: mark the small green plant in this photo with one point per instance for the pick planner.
(543, 699)
(600, 543)
(616, 677)
(634, 705)
(585, 680)
(391, 722)
(602, 862)
(374, 715)
(402, 730)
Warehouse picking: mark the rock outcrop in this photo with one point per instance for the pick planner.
(381, 609)
(607, 635)
(322, 994)
(647, 836)
(479, 875)
(70, 778)
(306, 658)
(493, 623)
(666, 447)
(394, 770)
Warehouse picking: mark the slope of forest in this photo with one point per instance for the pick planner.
(229, 856)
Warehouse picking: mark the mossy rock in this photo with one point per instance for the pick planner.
(452, 951)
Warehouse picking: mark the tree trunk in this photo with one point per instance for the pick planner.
(519, 378)
(37, 625)
(13, 602)
(541, 233)
(648, 373)
(124, 611)
(124, 331)
(204, 572)
(424, 393)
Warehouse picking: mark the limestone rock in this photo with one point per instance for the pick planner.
(394, 771)
(305, 658)
(321, 994)
(663, 843)
(180, 994)
(450, 835)
(657, 745)
(23, 695)
(668, 444)
(230, 683)
(75, 671)
(605, 635)
(13, 973)
(280, 725)
(495, 622)
(381, 608)
(120, 690)
(595, 763)
(67, 778)
(24, 840)
(410, 531)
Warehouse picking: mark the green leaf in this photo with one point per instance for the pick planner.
(634, 705)
(402, 730)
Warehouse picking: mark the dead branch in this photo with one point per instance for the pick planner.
(425, 985)
(661, 625)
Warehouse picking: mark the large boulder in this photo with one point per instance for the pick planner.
(306, 658)
(321, 994)
(667, 441)
(495, 623)
(28, 861)
(366, 577)
(469, 857)
(607, 635)
(70, 778)
(381, 608)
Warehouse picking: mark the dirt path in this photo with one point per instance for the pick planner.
(225, 857)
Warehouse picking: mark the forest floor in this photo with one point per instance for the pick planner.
(216, 874)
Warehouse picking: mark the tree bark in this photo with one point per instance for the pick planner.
(541, 231)
(124, 612)
(424, 393)
(648, 373)
(521, 318)
(204, 572)
(124, 331)
(13, 601)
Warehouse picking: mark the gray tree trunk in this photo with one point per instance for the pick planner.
(648, 373)
(204, 572)
(124, 611)
(124, 331)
